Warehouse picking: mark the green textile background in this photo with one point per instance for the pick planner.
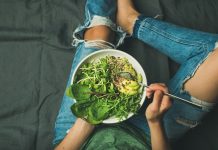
(35, 61)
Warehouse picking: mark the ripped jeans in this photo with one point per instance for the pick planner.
(65, 118)
(187, 47)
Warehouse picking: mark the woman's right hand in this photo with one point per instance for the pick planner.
(160, 103)
(154, 114)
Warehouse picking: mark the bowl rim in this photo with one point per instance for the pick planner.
(128, 56)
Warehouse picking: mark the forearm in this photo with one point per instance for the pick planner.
(159, 139)
(76, 136)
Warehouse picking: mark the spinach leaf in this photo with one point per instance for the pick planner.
(97, 92)
(80, 92)
(98, 112)
(79, 109)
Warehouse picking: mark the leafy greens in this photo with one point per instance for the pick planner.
(100, 92)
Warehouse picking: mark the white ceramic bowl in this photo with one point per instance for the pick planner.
(117, 53)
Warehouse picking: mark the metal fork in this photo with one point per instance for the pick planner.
(127, 75)
(178, 98)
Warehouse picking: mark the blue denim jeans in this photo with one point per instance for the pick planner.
(187, 47)
(97, 12)
(65, 118)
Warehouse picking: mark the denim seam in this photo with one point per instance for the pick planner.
(139, 27)
(167, 35)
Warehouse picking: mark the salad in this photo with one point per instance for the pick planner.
(106, 88)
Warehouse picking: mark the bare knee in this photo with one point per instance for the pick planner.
(99, 33)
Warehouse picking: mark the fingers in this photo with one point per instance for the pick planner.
(149, 92)
(156, 86)
(165, 104)
(157, 101)
(160, 102)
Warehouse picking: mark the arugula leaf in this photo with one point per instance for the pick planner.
(80, 92)
(96, 93)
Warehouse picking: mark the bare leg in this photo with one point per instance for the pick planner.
(204, 84)
(99, 33)
(80, 127)
(126, 15)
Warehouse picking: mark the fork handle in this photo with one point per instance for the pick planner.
(179, 98)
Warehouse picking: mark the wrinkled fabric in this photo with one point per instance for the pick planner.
(35, 61)
(117, 137)
(35, 51)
